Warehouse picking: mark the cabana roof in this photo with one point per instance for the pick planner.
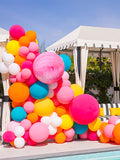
(4, 35)
(90, 36)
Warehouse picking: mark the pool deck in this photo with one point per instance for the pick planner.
(51, 150)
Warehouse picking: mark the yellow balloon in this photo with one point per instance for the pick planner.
(36, 41)
(44, 107)
(77, 89)
(95, 125)
(67, 121)
(13, 47)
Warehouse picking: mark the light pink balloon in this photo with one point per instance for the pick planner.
(39, 132)
(48, 67)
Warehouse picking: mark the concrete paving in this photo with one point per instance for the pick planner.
(50, 150)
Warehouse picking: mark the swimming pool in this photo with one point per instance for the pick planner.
(112, 155)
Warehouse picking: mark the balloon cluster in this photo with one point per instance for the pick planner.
(45, 103)
(110, 131)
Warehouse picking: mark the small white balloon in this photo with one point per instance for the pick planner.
(19, 142)
(14, 68)
(54, 114)
(19, 131)
(3, 68)
(53, 85)
(8, 58)
(98, 133)
(50, 93)
(56, 121)
(52, 130)
(46, 120)
(118, 121)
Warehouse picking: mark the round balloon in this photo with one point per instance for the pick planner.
(67, 61)
(39, 90)
(80, 129)
(18, 114)
(44, 107)
(39, 132)
(13, 47)
(16, 31)
(18, 92)
(48, 67)
(84, 109)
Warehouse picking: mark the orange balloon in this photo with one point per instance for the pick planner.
(31, 35)
(12, 143)
(19, 60)
(117, 141)
(103, 126)
(15, 104)
(59, 129)
(104, 139)
(24, 41)
(18, 92)
(32, 117)
(60, 137)
(116, 131)
(60, 110)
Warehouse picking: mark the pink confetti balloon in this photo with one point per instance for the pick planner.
(48, 67)
(23, 51)
(13, 78)
(31, 56)
(65, 95)
(11, 125)
(33, 47)
(26, 73)
(26, 124)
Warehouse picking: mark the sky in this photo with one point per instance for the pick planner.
(53, 19)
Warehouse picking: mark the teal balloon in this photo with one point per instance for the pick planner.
(67, 61)
(80, 129)
(39, 90)
(18, 114)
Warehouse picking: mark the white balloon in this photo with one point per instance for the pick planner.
(19, 142)
(52, 130)
(8, 58)
(98, 133)
(53, 85)
(54, 114)
(19, 131)
(3, 68)
(50, 93)
(118, 121)
(14, 68)
(46, 120)
(56, 121)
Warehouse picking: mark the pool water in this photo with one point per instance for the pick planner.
(112, 155)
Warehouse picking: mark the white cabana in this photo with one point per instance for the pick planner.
(86, 41)
(4, 37)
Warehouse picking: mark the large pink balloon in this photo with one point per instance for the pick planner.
(48, 67)
(39, 132)
(84, 109)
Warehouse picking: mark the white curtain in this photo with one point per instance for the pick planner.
(115, 74)
(80, 65)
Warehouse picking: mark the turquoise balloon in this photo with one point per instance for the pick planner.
(80, 129)
(39, 90)
(67, 61)
(18, 114)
